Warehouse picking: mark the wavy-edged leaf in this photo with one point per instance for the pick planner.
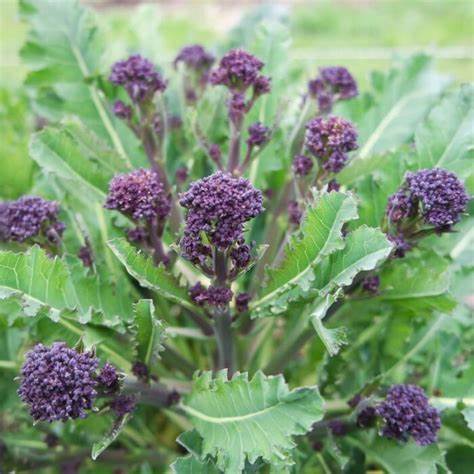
(77, 157)
(241, 420)
(406, 283)
(45, 286)
(100, 446)
(319, 236)
(149, 275)
(149, 332)
(334, 338)
(398, 458)
(445, 139)
(64, 52)
(365, 248)
(192, 465)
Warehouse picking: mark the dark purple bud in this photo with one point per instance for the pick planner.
(262, 85)
(51, 440)
(302, 165)
(215, 153)
(123, 404)
(58, 383)
(318, 446)
(108, 379)
(122, 110)
(401, 246)
(137, 235)
(237, 70)
(139, 195)
(400, 206)
(406, 412)
(333, 185)
(198, 294)
(325, 101)
(338, 427)
(371, 284)
(241, 255)
(140, 370)
(367, 417)
(28, 217)
(259, 134)
(237, 108)
(139, 77)
(85, 254)
(195, 57)
(181, 174)
(295, 214)
(219, 296)
(242, 301)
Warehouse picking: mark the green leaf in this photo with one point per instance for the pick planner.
(445, 138)
(65, 54)
(365, 249)
(319, 236)
(45, 286)
(149, 275)
(405, 283)
(401, 101)
(99, 447)
(149, 332)
(333, 339)
(243, 420)
(399, 458)
(77, 157)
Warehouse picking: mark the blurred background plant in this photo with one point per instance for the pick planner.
(364, 35)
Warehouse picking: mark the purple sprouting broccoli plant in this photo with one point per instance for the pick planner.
(31, 219)
(332, 84)
(406, 412)
(429, 201)
(187, 286)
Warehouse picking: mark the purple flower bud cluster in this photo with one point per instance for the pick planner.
(139, 77)
(371, 284)
(29, 217)
(239, 70)
(367, 417)
(333, 185)
(338, 427)
(242, 301)
(195, 57)
(436, 194)
(140, 370)
(108, 379)
(58, 383)
(181, 174)
(121, 405)
(139, 195)
(85, 254)
(241, 255)
(237, 108)
(122, 110)
(406, 412)
(218, 206)
(295, 213)
(330, 140)
(302, 165)
(259, 135)
(212, 296)
(332, 84)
